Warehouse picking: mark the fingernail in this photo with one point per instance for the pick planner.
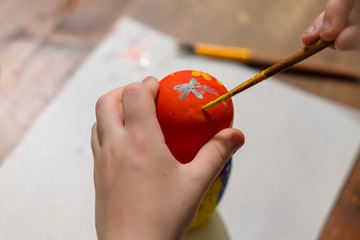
(310, 29)
(325, 26)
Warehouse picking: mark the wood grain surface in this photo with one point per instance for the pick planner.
(43, 42)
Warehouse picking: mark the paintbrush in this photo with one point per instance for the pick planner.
(272, 70)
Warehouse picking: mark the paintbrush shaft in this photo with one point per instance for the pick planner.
(272, 70)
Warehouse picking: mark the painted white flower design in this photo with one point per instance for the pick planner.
(194, 87)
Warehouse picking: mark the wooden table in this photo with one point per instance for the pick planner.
(43, 42)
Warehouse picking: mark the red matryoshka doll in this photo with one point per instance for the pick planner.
(187, 128)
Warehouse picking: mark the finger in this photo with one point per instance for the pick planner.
(95, 143)
(109, 115)
(152, 81)
(354, 15)
(213, 156)
(312, 33)
(335, 18)
(139, 103)
(349, 39)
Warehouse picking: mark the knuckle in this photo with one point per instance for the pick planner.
(100, 102)
(133, 88)
(150, 78)
(138, 141)
(222, 153)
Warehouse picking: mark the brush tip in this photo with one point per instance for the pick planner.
(209, 105)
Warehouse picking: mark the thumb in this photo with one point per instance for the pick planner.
(213, 156)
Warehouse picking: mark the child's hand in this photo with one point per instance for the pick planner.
(339, 22)
(142, 191)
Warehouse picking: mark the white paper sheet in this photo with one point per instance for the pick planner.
(298, 151)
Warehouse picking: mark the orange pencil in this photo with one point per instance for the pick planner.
(257, 59)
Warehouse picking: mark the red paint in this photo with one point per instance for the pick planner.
(185, 126)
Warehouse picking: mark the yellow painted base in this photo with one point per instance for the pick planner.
(208, 205)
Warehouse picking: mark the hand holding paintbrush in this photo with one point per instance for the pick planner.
(337, 26)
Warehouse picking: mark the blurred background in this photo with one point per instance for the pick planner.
(43, 42)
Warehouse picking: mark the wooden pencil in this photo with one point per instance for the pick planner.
(261, 60)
